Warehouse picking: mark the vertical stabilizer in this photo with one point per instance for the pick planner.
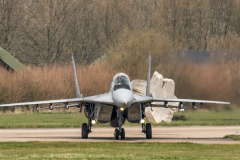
(148, 75)
(78, 94)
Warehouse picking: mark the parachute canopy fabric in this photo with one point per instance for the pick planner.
(159, 87)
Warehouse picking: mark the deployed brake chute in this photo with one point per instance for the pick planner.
(159, 88)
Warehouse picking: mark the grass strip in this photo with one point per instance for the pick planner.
(234, 137)
(74, 120)
(116, 150)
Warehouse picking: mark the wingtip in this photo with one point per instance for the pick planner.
(226, 102)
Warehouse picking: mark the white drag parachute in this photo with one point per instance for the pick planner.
(160, 88)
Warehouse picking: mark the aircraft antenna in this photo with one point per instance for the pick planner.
(148, 75)
(78, 94)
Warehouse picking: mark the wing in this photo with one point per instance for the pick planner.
(146, 99)
(103, 99)
(187, 100)
(43, 102)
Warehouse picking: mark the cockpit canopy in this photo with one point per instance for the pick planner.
(121, 82)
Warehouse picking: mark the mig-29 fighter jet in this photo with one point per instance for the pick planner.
(116, 106)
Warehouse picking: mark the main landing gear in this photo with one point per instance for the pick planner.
(86, 127)
(147, 129)
(84, 131)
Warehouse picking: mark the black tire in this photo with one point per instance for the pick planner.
(84, 131)
(123, 134)
(116, 134)
(148, 131)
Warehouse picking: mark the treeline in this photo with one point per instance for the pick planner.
(206, 82)
(111, 36)
(42, 32)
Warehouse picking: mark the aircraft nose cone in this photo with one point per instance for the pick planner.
(123, 98)
(125, 101)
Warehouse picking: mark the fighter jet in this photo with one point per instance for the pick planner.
(116, 106)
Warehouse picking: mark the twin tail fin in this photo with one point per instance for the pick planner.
(78, 94)
(148, 76)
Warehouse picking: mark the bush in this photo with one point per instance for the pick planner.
(179, 118)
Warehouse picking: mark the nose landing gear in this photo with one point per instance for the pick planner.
(123, 134)
(120, 131)
(117, 133)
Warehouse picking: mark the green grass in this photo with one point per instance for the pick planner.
(116, 150)
(74, 120)
(42, 120)
(234, 137)
(212, 118)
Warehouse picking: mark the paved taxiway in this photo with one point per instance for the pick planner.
(196, 134)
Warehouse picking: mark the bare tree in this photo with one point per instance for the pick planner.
(45, 31)
(11, 18)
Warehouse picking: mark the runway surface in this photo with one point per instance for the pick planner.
(196, 134)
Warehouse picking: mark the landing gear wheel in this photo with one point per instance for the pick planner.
(123, 134)
(116, 134)
(148, 131)
(84, 131)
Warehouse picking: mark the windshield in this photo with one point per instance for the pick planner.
(121, 80)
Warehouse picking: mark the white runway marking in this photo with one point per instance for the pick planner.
(195, 134)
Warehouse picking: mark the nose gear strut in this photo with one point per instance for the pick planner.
(120, 131)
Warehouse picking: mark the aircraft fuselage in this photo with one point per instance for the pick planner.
(121, 91)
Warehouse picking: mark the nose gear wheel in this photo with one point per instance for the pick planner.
(123, 134)
(116, 134)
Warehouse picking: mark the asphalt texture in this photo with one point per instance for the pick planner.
(194, 134)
